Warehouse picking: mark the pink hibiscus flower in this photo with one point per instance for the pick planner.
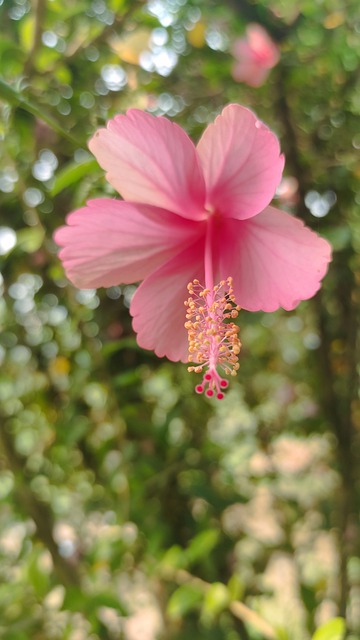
(196, 227)
(255, 55)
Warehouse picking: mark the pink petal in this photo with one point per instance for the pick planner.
(250, 72)
(109, 242)
(256, 46)
(241, 162)
(263, 48)
(242, 50)
(158, 305)
(151, 160)
(275, 260)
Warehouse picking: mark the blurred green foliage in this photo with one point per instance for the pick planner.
(132, 508)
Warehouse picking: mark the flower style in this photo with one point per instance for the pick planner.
(255, 55)
(195, 226)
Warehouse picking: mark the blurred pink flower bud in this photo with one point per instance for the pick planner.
(255, 55)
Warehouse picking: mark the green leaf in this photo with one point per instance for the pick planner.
(63, 74)
(105, 599)
(331, 630)
(202, 545)
(186, 598)
(9, 45)
(46, 59)
(37, 577)
(79, 428)
(31, 239)
(216, 600)
(26, 32)
(173, 558)
(109, 348)
(73, 172)
(76, 600)
(58, 8)
(236, 587)
(126, 379)
(117, 5)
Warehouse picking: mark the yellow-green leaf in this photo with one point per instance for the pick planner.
(173, 558)
(184, 599)
(331, 630)
(73, 172)
(26, 32)
(31, 239)
(216, 600)
(202, 545)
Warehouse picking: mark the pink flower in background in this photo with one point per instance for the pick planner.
(255, 55)
(195, 226)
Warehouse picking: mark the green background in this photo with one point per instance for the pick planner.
(131, 508)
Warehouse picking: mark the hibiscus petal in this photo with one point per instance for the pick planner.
(248, 71)
(158, 305)
(263, 49)
(151, 160)
(275, 260)
(241, 162)
(109, 242)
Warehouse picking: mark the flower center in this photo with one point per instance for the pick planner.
(213, 339)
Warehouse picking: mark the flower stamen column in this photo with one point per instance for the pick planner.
(213, 340)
